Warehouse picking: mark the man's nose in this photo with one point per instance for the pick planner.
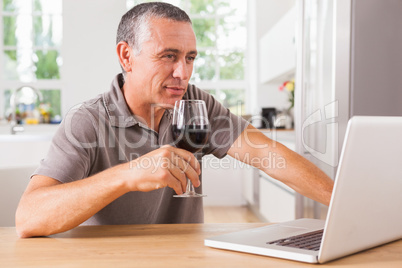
(182, 70)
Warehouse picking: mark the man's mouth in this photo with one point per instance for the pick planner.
(175, 90)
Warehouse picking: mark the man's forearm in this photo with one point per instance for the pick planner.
(283, 164)
(60, 207)
(301, 175)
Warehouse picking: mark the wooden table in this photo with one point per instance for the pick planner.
(170, 245)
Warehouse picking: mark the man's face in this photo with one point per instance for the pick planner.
(161, 72)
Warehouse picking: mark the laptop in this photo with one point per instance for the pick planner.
(364, 208)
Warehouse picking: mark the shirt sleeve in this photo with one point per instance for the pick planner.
(225, 126)
(73, 148)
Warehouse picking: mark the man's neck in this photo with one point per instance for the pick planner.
(146, 113)
(151, 115)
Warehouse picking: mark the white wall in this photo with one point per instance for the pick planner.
(89, 58)
(262, 15)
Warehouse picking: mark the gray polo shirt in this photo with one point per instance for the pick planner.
(102, 132)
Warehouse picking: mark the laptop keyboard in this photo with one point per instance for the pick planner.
(309, 241)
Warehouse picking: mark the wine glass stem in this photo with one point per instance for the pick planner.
(190, 187)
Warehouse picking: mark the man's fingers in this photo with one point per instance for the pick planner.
(180, 177)
(187, 156)
(189, 171)
(167, 166)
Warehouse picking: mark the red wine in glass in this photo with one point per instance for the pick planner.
(190, 129)
(190, 137)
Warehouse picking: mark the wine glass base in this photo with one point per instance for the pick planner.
(189, 194)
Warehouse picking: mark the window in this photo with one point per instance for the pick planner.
(31, 33)
(220, 27)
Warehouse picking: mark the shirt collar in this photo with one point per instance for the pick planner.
(116, 106)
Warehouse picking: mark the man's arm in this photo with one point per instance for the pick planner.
(48, 206)
(283, 164)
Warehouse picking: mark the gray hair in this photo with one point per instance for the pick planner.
(134, 25)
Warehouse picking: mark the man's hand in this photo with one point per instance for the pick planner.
(166, 166)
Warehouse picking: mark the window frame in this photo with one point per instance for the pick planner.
(40, 84)
(219, 85)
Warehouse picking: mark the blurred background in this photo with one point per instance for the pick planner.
(296, 69)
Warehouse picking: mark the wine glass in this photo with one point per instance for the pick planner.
(190, 129)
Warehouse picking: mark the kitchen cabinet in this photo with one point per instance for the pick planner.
(20, 155)
(224, 180)
(277, 201)
(270, 199)
(13, 182)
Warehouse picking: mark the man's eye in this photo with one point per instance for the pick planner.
(191, 58)
(170, 56)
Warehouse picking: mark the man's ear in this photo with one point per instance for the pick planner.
(124, 53)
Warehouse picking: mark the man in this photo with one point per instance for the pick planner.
(110, 161)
